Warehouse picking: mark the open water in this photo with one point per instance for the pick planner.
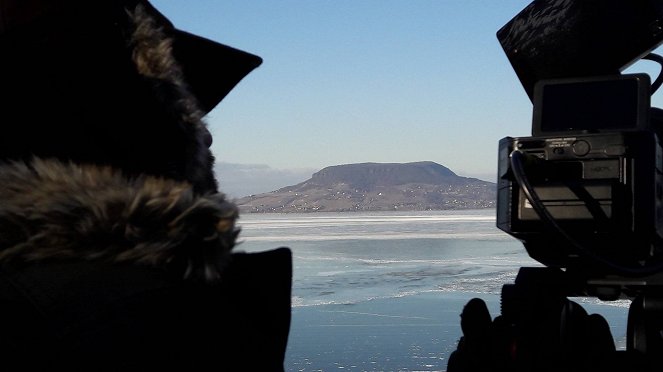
(383, 291)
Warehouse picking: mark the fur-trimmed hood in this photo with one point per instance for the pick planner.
(109, 90)
(50, 210)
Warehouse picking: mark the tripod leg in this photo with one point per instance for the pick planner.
(531, 313)
(545, 331)
(644, 334)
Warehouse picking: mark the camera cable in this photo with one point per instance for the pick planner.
(517, 160)
(659, 79)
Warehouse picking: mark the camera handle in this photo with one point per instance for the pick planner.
(540, 328)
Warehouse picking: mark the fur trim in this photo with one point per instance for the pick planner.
(152, 54)
(50, 210)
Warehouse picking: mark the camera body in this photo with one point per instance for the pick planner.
(596, 165)
(584, 193)
(604, 189)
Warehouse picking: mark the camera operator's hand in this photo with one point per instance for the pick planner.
(546, 336)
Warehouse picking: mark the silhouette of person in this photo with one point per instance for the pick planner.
(550, 336)
(115, 244)
(474, 347)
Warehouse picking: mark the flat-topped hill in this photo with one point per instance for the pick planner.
(377, 187)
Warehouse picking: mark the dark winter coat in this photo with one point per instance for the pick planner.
(101, 272)
(115, 247)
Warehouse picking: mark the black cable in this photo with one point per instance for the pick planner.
(517, 159)
(659, 79)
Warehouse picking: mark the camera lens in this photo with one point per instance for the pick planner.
(581, 148)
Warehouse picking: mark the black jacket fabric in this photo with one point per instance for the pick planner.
(95, 316)
(103, 272)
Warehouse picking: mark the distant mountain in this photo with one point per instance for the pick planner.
(377, 187)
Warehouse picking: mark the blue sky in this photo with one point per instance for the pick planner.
(350, 81)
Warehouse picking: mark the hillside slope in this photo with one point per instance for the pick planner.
(377, 187)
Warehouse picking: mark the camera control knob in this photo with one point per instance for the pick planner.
(581, 148)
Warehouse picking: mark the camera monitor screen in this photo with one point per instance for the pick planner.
(591, 105)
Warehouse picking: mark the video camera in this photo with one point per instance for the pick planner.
(585, 192)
